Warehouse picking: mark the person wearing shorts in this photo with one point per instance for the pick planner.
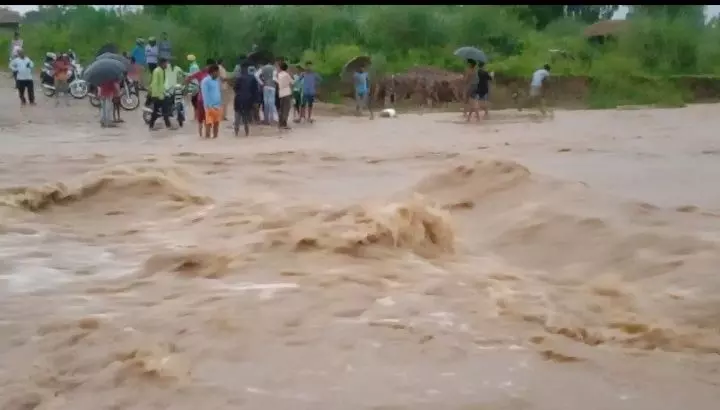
(61, 68)
(297, 88)
(212, 101)
(362, 91)
(310, 80)
(483, 89)
(537, 88)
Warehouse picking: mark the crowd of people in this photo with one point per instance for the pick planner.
(259, 95)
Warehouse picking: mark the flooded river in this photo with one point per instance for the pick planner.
(407, 263)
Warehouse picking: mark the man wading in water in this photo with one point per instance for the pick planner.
(538, 88)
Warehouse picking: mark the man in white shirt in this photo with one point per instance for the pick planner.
(538, 85)
(23, 66)
(284, 82)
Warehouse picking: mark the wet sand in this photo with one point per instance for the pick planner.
(408, 263)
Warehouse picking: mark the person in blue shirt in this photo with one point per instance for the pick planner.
(362, 91)
(138, 53)
(310, 81)
(212, 101)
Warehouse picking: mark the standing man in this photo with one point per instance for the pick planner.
(224, 89)
(212, 101)
(538, 88)
(138, 53)
(483, 89)
(310, 81)
(164, 47)
(267, 74)
(284, 86)
(15, 45)
(362, 91)
(157, 95)
(22, 66)
(61, 68)
(247, 90)
(151, 54)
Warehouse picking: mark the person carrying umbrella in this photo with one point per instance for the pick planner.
(157, 95)
(471, 90)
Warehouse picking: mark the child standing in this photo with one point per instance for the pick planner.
(297, 94)
(212, 101)
(116, 103)
(106, 93)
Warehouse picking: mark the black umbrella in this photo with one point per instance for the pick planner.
(358, 62)
(116, 57)
(471, 53)
(107, 48)
(260, 57)
(104, 70)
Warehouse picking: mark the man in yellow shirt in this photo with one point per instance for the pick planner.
(157, 95)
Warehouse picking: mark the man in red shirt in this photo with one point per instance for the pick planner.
(61, 67)
(106, 93)
(197, 100)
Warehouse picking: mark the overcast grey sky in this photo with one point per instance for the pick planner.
(622, 11)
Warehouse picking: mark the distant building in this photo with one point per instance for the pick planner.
(9, 20)
(604, 30)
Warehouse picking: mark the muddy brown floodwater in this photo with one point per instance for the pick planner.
(408, 263)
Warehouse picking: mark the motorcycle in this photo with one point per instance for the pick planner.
(78, 87)
(129, 100)
(175, 96)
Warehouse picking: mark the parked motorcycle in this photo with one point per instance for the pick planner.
(129, 100)
(175, 96)
(78, 87)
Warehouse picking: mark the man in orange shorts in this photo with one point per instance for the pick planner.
(212, 101)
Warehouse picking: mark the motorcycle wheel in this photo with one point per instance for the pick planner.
(94, 101)
(49, 92)
(146, 116)
(130, 102)
(180, 118)
(79, 89)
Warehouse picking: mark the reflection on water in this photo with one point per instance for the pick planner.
(404, 263)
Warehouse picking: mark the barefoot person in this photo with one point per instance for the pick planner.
(61, 72)
(471, 91)
(23, 66)
(362, 91)
(106, 94)
(297, 94)
(483, 88)
(310, 82)
(538, 88)
(224, 88)
(247, 93)
(197, 100)
(212, 101)
(284, 81)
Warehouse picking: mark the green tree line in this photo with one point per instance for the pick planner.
(658, 41)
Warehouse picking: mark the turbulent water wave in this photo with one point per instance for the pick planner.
(125, 181)
(477, 255)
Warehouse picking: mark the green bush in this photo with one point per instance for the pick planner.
(659, 42)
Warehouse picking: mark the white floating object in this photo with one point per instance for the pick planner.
(388, 113)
